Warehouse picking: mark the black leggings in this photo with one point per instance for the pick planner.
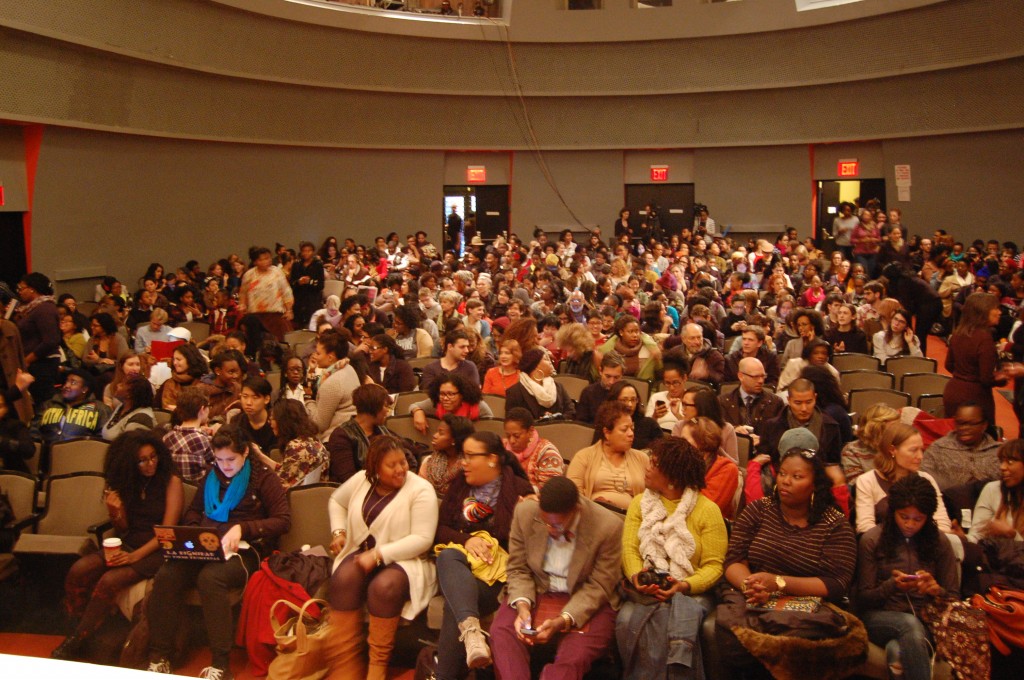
(384, 590)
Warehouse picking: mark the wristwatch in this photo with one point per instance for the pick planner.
(780, 583)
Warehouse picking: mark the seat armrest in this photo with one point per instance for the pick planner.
(97, 530)
(25, 522)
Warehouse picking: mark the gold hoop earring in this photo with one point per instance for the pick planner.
(812, 499)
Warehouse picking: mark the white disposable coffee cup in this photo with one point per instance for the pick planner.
(111, 547)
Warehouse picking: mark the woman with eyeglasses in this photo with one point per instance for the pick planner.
(383, 521)
(473, 529)
(900, 453)
(645, 429)
(898, 338)
(537, 390)
(388, 366)
(700, 401)
(676, 534)
(611, 471)
(143, 490)
(794, 542)
(450, 393)
(667, 406)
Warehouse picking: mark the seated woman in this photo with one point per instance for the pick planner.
(858, 456)
(408, 332)
(722, 476)
(244, 504)
(304, 460)
(537, 391)
(645, 430)
(350, 441)
(479, 355)
(897, 339)
(611, 471)
(794, 542)
(445, 462)
(701, 402)
(639, 350)
(506, 374)
(188, 366)
(900, 452)
(128, 364)
(329, 314)
(254, 416)
(135, 411)
(576, 345)
(538, 457)
(677, 535)
(388, 366)
(105, 347)
(905, 564)
(142, 491)
(472, 530)
(999, 512)
(816, 352)
(450, 393)
(72, 338)
(383, 521)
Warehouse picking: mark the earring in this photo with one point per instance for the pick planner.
(812, 499)
(492, 465)
(671, 487)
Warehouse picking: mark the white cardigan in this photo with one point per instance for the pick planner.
(869, 492)
(404, 531)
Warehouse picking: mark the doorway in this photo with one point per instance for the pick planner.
(12, 247)
(484, 210)
(673, 202)
(831, 193)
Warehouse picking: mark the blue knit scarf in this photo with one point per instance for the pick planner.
(216, 510)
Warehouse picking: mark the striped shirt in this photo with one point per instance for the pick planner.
(766, 542)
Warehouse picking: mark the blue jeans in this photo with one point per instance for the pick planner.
(905, 641)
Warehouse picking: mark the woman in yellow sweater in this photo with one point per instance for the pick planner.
(673, 547)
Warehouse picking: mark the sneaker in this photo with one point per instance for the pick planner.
(478, 654)
(159, 666)
(215, 673)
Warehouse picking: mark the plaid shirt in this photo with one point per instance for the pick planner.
(191, 450)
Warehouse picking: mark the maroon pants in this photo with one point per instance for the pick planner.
(577, 650)
(275, 323)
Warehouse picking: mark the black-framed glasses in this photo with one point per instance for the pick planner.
(806, 454)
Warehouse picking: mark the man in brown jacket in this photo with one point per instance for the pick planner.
(565, 559)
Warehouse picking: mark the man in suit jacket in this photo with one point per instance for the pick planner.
(565, 557)
(763, 405)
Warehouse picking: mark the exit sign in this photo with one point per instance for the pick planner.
(659, 173)
(476, 174)
(848, 167)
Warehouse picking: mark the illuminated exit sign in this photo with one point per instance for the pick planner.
(659, 173)
(848, 167)
(476, 174)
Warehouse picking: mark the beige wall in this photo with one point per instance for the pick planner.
(589, 181)
(12, 169)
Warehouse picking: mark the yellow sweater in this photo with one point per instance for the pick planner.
(708, 529)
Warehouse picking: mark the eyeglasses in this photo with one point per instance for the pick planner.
(448, 395)
(755, 377)
(969, 423)
(672, 383)
(628, 400)
(374, 348)
(689, 404)
(146, 461)
(806, 454)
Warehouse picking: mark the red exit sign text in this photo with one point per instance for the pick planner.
(849, 167)
(659, 173)
(476, 174)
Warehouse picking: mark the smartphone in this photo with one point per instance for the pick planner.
(528, 631)
(659, 403)
(911, 577)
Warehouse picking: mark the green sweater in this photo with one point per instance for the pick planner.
(708, 529)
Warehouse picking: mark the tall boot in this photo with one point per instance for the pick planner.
(344, 647)
(382, 641)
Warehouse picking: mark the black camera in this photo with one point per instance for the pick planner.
(654, 577)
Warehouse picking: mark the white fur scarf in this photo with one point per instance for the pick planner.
(665, 540)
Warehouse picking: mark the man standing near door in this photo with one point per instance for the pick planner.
(453, 227)
(842, 229)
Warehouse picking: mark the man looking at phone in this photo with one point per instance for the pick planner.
(560, 586)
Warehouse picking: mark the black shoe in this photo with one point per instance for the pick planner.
(68, 650)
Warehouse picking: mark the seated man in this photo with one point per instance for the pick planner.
(559, 585)
(189, 444)
(453, 360)
(750, 405)
(75, 412)
(752, 345)
(613, 366)
(963, 460)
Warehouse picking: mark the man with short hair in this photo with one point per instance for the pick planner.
(868, 316)
(453, 360)
(706, 362)
(750, 405)
(189, 444)
(74, 412)
(613, 367)
(752, 345)
(565, 560)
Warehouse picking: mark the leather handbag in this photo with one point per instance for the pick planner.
(1004, 610)
(300, 642)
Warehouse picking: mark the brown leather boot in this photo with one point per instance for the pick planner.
(344, 648)
(382, 641)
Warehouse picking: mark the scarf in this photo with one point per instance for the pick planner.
(479, 506)
(27, 309)
(440, 472)
(466, 410)
(814, 425)
(216, 510)
(631, 355)
(545, 391)
(665, 540)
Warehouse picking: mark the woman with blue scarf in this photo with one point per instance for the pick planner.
(244, 503)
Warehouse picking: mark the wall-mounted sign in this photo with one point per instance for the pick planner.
(848, 167)
(659, 173)
(476, 174)
(903, 176)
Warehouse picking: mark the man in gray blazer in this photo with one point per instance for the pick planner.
(565, 559)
